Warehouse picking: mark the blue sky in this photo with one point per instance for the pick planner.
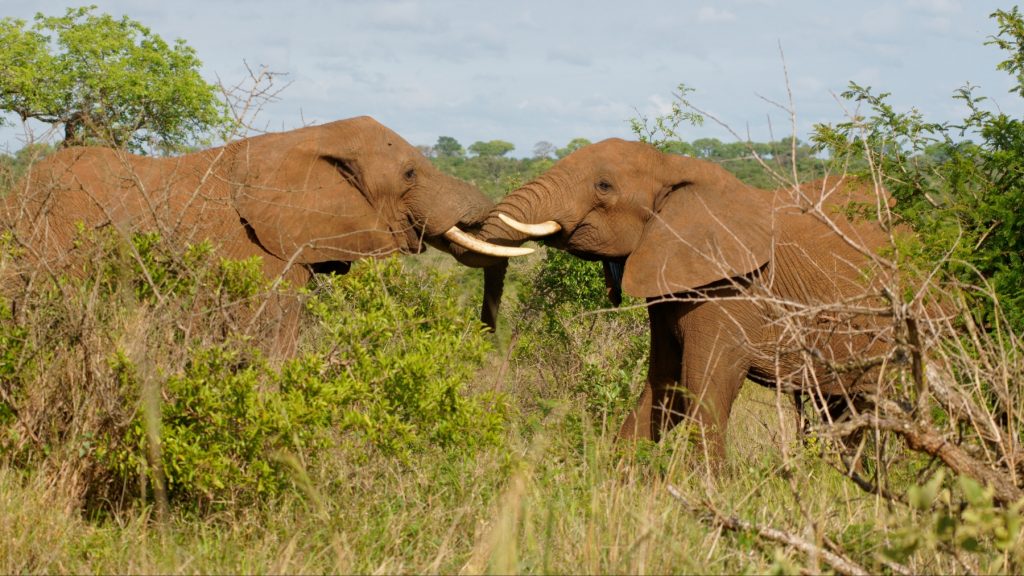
(531, 70)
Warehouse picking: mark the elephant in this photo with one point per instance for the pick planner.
(739, 283)
(309, 200)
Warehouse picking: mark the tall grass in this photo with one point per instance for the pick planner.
(533, 482)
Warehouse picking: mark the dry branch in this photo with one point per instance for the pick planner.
(922, 437)
(836, 560)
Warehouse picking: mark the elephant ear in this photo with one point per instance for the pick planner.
(699, 234)
(304, 198)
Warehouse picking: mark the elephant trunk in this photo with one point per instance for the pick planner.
(464, 207)
(530, 203)
(454, 203)
(520, 204)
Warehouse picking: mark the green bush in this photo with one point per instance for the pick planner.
(224, 425)
(146, 358)
(565, 323)
(398, 338)
(960, 518)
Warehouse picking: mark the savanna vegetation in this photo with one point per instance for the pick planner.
(146, 427)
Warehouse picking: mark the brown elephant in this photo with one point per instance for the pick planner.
(740, 282)
(307, 200)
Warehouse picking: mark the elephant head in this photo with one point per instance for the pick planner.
(346, 190)
(676, 223)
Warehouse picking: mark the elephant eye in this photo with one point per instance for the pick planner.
(604, 186)
(410, 174)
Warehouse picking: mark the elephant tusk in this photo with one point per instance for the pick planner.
(535, 230)
(468, 242)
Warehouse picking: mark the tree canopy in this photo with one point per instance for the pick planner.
(572, 146)
(107, 81)
(493, 148)
(448, 147)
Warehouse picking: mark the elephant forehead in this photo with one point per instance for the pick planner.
(625, 163)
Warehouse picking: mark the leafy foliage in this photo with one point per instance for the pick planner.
(223, 431)
(493, 148)
(573, 145)
(385, 359)
(108, 81)
(13, 166)
(493, 173)
(404, 350)
(960, 516)
(959, 185)
(564, 321)
(448, 147)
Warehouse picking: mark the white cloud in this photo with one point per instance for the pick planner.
(808, 86)
(938, 24)
(868, 76)
(936, 6)
(709, 14)
(569, 56)
(657, 105)
(397, 16)
(936, 15)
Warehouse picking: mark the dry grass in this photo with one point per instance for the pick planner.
(558, 495)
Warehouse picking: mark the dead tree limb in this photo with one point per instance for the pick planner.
(836, 560)
(922, 437)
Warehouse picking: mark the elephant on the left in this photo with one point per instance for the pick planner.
(308, 200)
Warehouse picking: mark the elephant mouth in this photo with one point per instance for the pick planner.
(416, 242)
(413, 241)
(338, 267)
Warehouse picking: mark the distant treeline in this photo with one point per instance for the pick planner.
(487, 165)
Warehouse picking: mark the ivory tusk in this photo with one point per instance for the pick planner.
(468, 242)
(535, 230)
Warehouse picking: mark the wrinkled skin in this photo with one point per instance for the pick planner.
(309, 200)
(714, 258)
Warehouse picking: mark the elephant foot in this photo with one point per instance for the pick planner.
(634, 427)
(638, 423)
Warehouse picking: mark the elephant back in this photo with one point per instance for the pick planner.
(827, 271)
(81, 190)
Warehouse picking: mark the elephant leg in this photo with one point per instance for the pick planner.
(712, 384)
(285, 337)
(638, 422)
(494, 285)
(276, 316)
(660, 406)
(715, 363)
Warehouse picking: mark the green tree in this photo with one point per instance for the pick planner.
(964, 197)
(543, 149)
(707, 148)
(573, 145)
(678, 147)
(106, 81)
(13, 167)
(491, 149)
(448, 147)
